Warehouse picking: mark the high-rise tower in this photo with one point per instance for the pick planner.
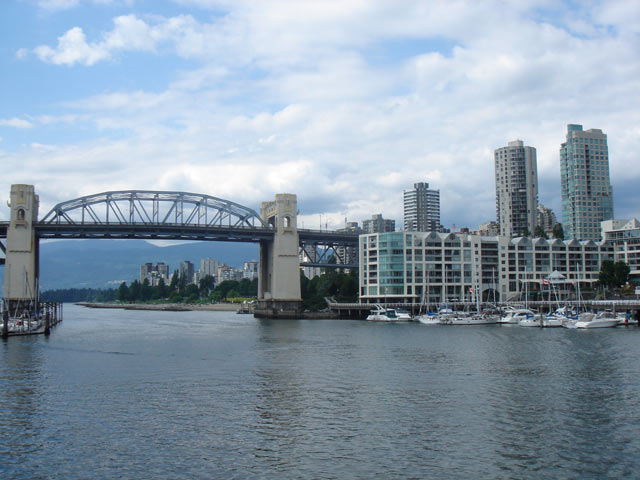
(587, 197)
(516, 169)
(422, 209)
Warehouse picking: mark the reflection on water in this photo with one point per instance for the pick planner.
(217, 395)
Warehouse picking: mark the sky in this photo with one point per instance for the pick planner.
(345, 103)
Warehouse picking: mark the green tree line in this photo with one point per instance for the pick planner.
(79, 295)
(332, 283)
(179, 291)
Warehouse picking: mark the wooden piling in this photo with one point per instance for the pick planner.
(5, 322)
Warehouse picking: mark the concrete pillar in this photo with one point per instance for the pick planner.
(279, 276)
(21, 267)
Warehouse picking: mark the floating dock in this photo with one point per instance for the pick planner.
(29, 318)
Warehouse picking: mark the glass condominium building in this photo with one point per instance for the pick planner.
(433, 268)
(587, 197)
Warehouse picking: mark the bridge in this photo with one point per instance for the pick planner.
(163, 215)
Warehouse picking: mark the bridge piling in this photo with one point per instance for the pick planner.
(279, 278)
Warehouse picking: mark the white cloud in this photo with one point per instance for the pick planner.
(347, 104)
(73, 48)
(15, 122)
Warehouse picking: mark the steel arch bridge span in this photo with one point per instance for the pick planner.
(153, 208)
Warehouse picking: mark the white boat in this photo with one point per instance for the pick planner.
(380, 314)
(602, 320)
(429, 319)
(559, 318)
(473, 319)
(552, 320)
(534, 321)
(446, 315)
(514, 315)
(403, 315)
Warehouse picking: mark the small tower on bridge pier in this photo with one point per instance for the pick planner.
(21, 269)
(279, 276)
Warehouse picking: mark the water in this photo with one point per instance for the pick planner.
(200, 395)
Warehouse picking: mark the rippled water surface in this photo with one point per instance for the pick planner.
(128, 394)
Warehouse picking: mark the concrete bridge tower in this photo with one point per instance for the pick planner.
(279, 276)
(21, 269)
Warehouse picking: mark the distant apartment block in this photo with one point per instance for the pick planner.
(516, 174)
(587, 196)
(250, 270)
(349, 254)
(153, 273)
(422, 209)
(208, 268)
(225, 272)
(377, 224)
(187, 271)
(489, 229)
(546, 219)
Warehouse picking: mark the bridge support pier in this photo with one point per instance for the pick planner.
(279, 275)
(21, 266)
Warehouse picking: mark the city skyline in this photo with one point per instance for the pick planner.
(344, 104)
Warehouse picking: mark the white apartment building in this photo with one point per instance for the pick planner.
(516, 173)
(624, 235)
(250, 270)
(153, 273)
(435, 267)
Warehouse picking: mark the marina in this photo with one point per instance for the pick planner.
(29, 318)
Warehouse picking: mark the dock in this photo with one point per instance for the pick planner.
(361, 310)
(29, 318)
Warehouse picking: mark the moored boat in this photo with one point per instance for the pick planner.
(429, 319)
(474, 319)
(380, 314)
(403, 315)
(602, 320)
(514, 315)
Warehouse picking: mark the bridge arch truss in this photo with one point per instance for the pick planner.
(153, 208)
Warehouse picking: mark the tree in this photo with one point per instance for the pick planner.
(348, 288)
(161, 289)
(540, 233)
(526, 233)
(174, 281)
(135, 291)
(123, 292)
(607, 275)
(621, 273)
(146, 292)
(191, 291)
(174, 297)
(207, 283)
(558, 231)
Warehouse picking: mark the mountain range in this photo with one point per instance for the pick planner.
(107, 263)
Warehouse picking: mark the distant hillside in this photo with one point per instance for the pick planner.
(107, 263)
